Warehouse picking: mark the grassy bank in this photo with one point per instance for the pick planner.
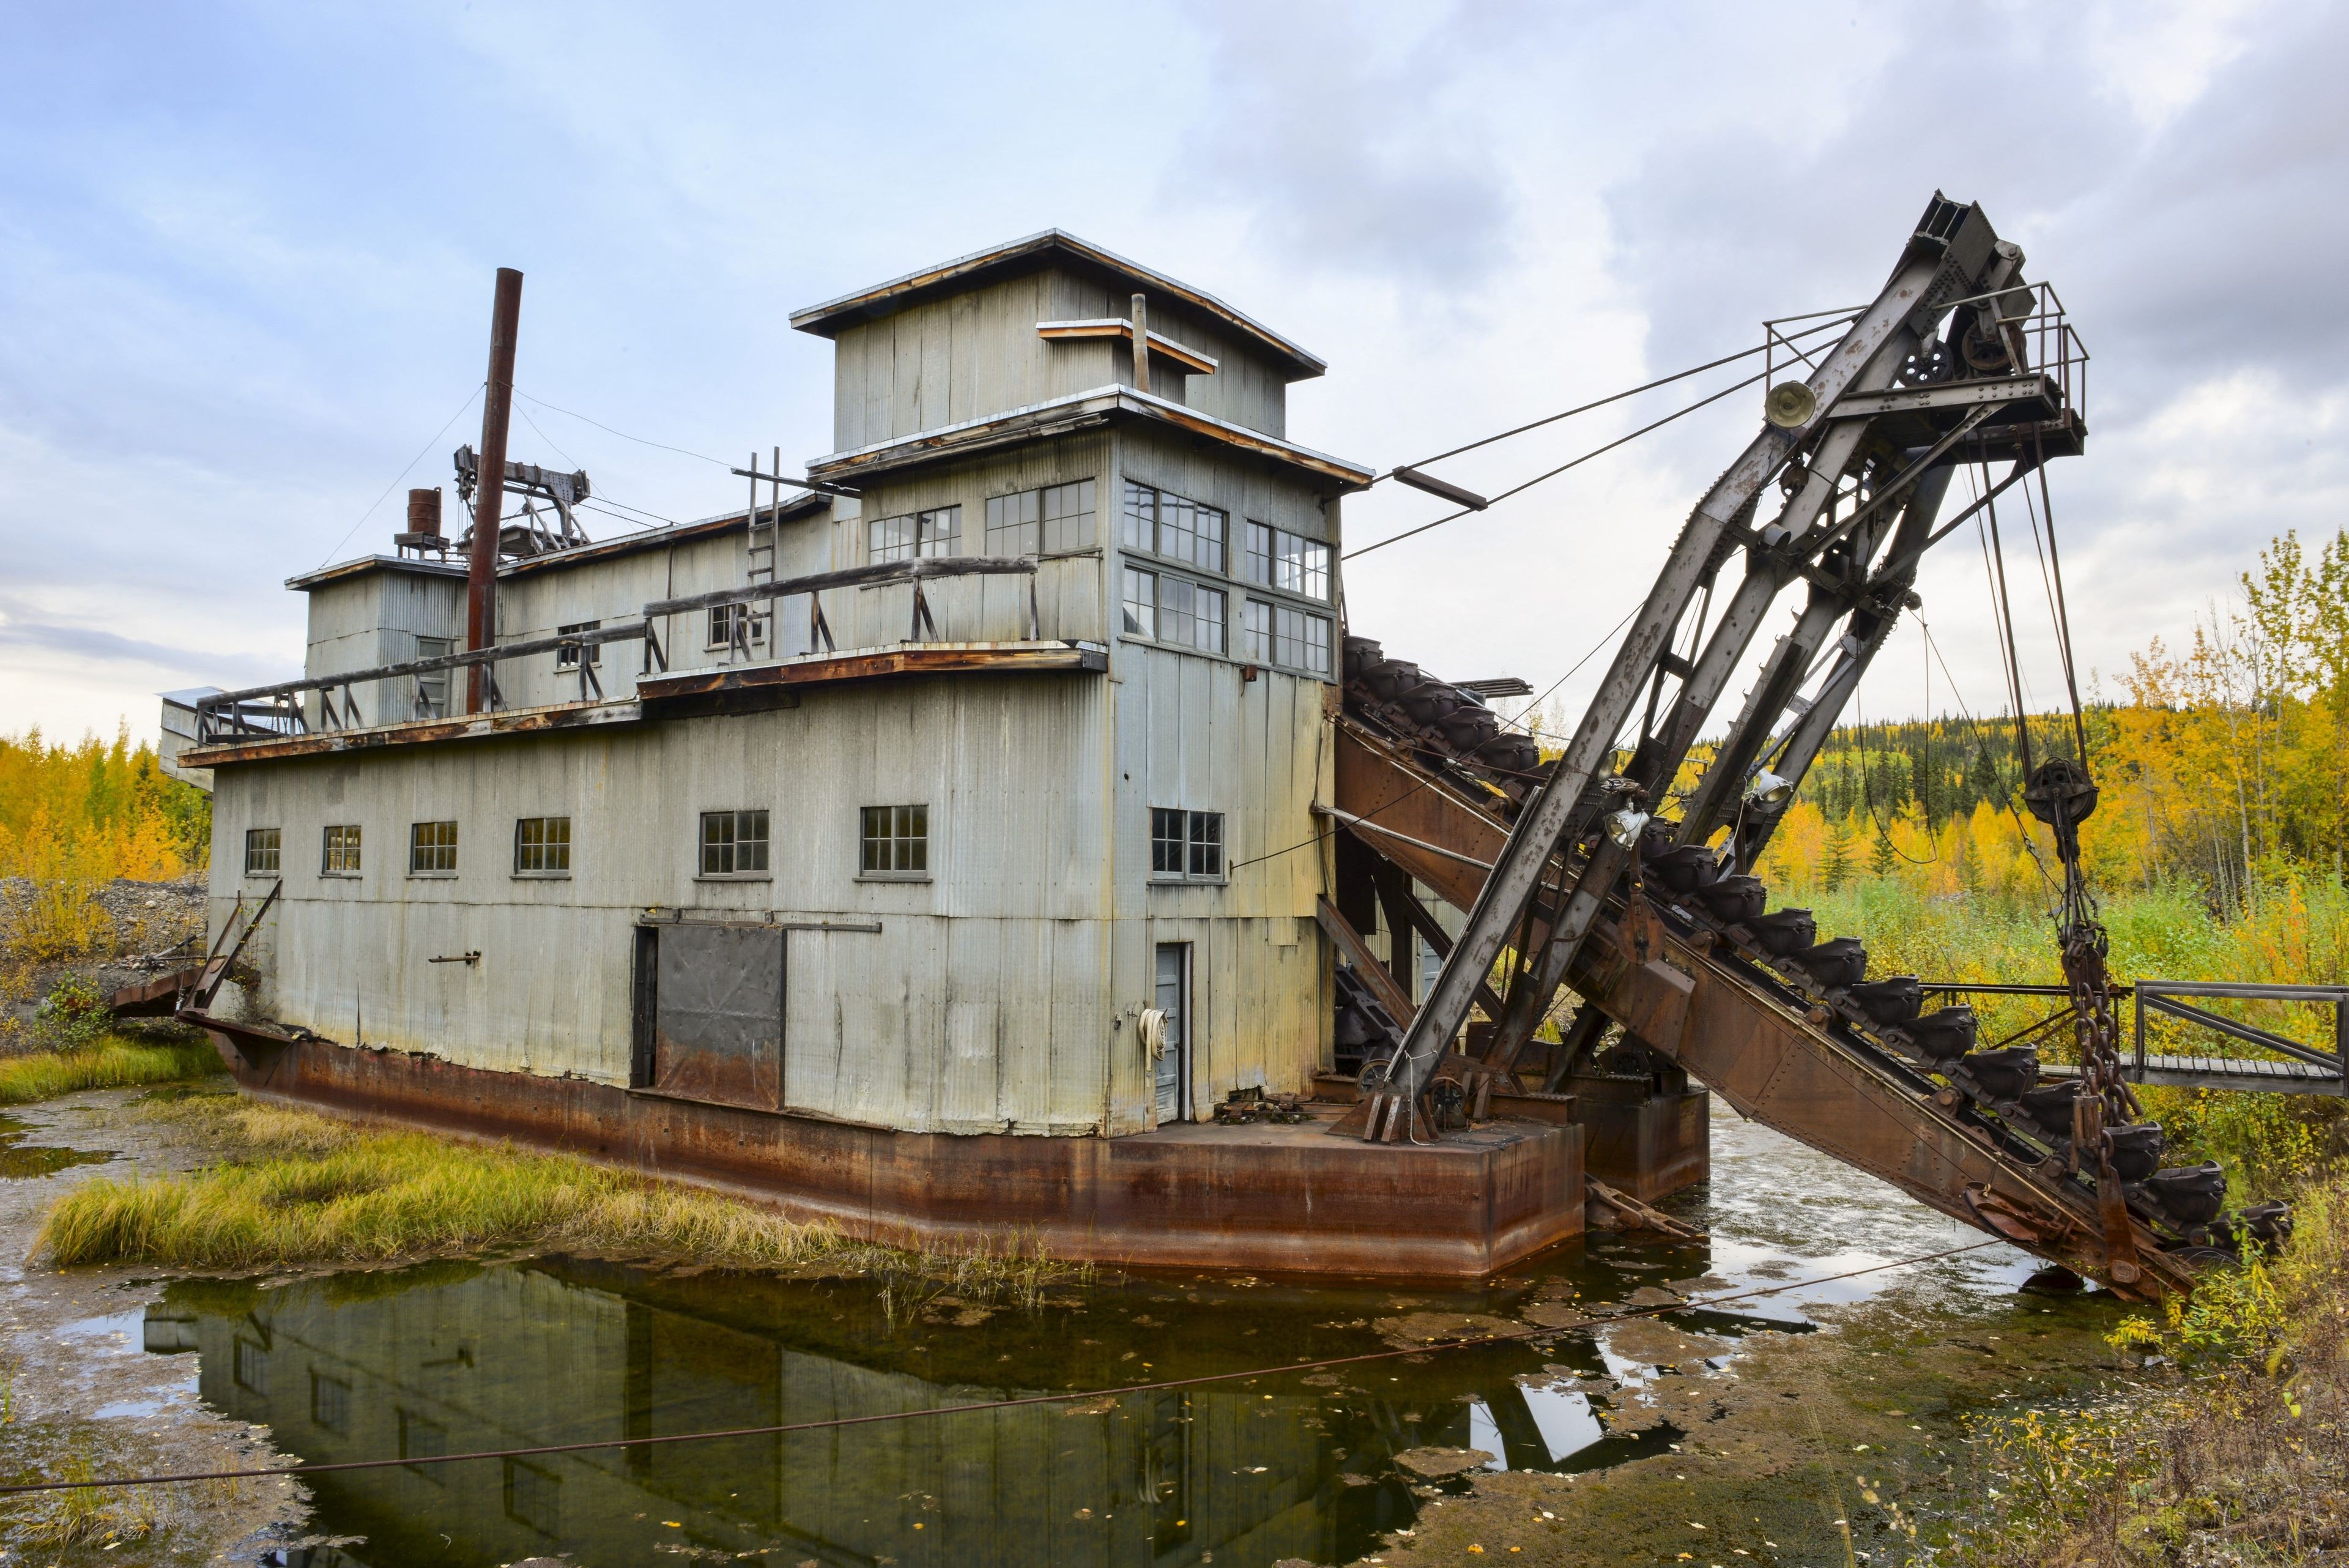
(114, 1063)
(297, 1189)
(2232, 1447)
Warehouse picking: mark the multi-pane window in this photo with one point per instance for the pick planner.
(534, 1497)
(340, 854)
(431, 848)
(1185, 845)
(1174, 610)
(733, 843)
(1277, 634)
(330, 1401)
(1052, 521)
(917, 534)
(1168, 525)
(1279, 559)
(725, 620)
(260, 851)
(432, 685)
(896, 841)
(421, 1437)
(568, 658)
(543, 847)
(1141, 603)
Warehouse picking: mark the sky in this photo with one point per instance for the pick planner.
(246, 255)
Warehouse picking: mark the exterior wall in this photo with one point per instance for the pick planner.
(373, 618)
(977, 353)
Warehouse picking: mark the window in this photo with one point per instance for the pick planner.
(568, 658)
(330, 1402)
(1300, 640)
(1185, 845)
(1279, 559)
(1190, 614)
(733, 843)
(1141, 603)
(543, 847)
(534, 1497)
(1255, 631)
(1276, 634)
(1053, 520)
(249, 1365)
(432, 685)
(897, 842)
(1173, 610)
(421, 1437)
(725, 618)
(917, 534)
(1168, 525)
(431, 849)
(260, 851)
(341, 852)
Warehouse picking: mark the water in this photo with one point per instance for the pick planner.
(19, 1160)
(449, 1358)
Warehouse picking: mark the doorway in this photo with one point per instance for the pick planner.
(1174, 1000)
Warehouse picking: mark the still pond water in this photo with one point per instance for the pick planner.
(454, 1359)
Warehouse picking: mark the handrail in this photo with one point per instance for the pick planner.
(272, 710)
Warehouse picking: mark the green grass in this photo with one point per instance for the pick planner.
(113, 1062)
(297, 1189)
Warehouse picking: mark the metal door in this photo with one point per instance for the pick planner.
(718, 1014)
(1175, 1002)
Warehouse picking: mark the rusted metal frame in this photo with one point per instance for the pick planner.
(1898, 487)
(1552, 819)
(1900, 567)
(1579, 1039)
(1792, 757)
(2028, 1030)
(1351, 943)
(218, 964)
(1406, 912)
(1986, 395)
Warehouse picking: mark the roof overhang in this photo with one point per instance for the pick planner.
(834, 316)
(1078, 411)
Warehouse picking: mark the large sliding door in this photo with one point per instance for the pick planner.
(711, 1027)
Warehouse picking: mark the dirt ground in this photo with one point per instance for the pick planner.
(153, 926)
(82, 1396)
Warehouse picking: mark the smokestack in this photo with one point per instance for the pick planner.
(490, 482)
(424, 513)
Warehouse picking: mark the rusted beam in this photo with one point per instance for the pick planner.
(1357, 952)
(488, 497)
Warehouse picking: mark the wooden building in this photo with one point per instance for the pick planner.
(868, 892)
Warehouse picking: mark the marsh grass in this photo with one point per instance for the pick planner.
(115, 1062)
(2234, 1448)
(298, 1188)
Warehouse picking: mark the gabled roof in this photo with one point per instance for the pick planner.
(1000, 261)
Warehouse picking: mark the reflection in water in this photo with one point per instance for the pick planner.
(455, 1358)
(19, 1160)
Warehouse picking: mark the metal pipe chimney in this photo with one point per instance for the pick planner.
(489, 483)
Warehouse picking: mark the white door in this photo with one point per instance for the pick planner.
(1174, 1000)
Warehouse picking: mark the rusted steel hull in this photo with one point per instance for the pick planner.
(1651, 1145)
(1262, 1197)
(155, 997)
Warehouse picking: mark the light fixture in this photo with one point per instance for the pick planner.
(1767, 788)
(1623, 826)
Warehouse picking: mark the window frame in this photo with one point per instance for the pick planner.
(906, 824)
(434, 845)
(1287, 563)
(344, 840)
(568, 658)
(1199, 830)
(734, 845)
(1130, 521)
(1026, 514)
(547, 845)
(719, 629)
(1286, 628)
(928, 540)
(1165, 620)
(275, 849)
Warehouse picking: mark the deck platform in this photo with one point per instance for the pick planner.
(1263, 1198)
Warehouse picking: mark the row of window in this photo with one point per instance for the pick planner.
(1177, 610)
(893, 841)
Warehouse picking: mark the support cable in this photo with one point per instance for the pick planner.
(1072, 1397)
(403, 473)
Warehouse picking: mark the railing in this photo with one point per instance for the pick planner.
(277, 711)
(2304, 1068)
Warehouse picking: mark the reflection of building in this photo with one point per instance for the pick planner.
(515, 1357)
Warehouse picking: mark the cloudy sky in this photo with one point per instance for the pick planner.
(245, 260)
